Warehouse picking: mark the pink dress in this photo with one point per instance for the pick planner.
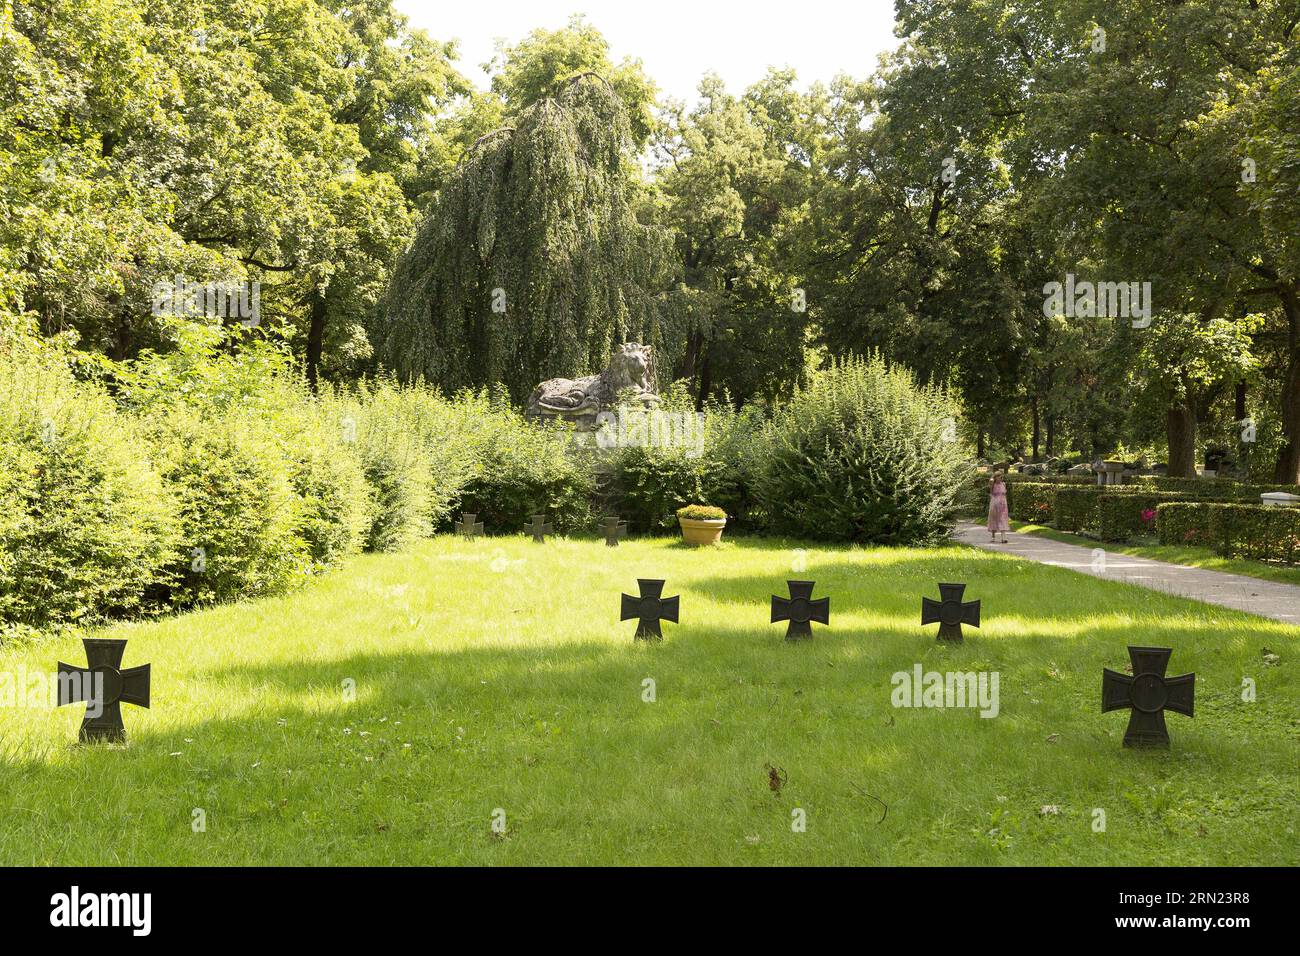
(999, 519)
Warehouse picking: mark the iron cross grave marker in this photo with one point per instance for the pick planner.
(469, 526)
(104, 687)
(1147, 695)
(950, 612)
(649, 609)
(614, 529)
(539, 529)
(800, 609)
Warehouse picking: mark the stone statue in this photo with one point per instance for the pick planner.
(581, 400)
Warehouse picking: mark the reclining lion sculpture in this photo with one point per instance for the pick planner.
(581, 400)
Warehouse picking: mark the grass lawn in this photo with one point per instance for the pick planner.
(1174, 554)
(496, 674)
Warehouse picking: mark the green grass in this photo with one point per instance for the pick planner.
(1192, 557)
(496, 675)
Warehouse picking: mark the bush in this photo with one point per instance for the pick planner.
(702, 513)
(522, 468)
(237, 511)
(1234, 530)
(85, 523)
(677, 456)
(396, 467)
(1213, 489)
(863, 454)
(1031, 502)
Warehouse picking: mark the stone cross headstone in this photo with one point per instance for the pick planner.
(539, 528)
(1147, 695)
(800, 609)
(104, 686)
(950, 612)
(469, 527)
(613, 529)
(649, 609)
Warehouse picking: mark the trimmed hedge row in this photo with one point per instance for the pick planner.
(1213, 489)
(1233, 530)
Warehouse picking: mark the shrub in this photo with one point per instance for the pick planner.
(236, 508)
(1030, 502)
(707, 461)
(702, 513)
(521, 468)
(395, 466)
(85, 523)
(1234, 530)
(863, 454)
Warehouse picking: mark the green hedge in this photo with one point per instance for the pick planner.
(1031, 502)
(1234, 530)
(1111, 514)
(1213, 489)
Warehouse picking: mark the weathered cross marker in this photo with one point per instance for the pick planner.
(614, 529)
(104, 687)
(539, 528)
(950, 612)
(649, 608)
(799, 609)
(469, 526)
(1148, 694)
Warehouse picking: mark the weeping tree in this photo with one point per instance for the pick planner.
(532, 263)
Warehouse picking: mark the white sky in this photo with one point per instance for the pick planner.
(680, 40)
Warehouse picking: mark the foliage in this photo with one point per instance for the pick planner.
(532, 261)
(1234, 530)
(85, 521)
(863, 454)
(702, 513)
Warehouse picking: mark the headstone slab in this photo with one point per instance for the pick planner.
(649, 608)
(1279, 499)
(1147, 695)
(799, 609)
(950, 612)
(104, 686)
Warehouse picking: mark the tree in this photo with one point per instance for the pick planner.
(532, 262)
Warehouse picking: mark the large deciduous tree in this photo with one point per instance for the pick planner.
(533, 262)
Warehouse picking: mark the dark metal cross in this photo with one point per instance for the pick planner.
(649, 608)
(104, 687)
(950, 612)
(799, 609)
(469, 526)
(1148, 694)
(539, 528)
(614, 529)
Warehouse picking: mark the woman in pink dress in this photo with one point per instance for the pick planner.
(999, 518)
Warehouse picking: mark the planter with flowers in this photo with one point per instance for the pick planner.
(701, 524)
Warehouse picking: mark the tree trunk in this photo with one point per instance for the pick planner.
(979, 444)
(1181, 426)
(315, 339)
(1033, 407)
(694, 342)
(706, 382)
(1051, 435)
(1288, 457)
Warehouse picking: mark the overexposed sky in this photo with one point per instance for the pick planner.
(680, 40)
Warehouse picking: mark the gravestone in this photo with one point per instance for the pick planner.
(539, 528)
(649, 609)
(469, 528)
(800, 609)
(116, 687)
(950, 612)
(613, 530)
(1147, 695)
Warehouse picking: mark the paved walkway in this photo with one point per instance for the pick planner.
(1281, 602)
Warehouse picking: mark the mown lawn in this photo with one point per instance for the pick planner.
(496, 675)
